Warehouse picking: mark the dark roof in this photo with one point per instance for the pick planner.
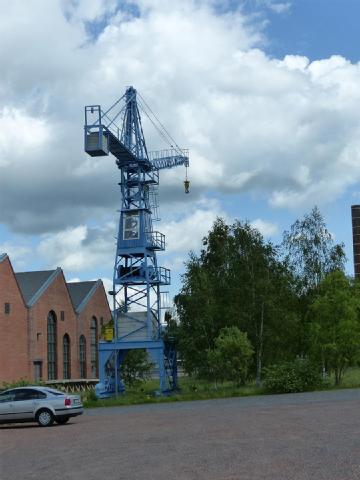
(32, 283)
(3, 256)
(79, 291)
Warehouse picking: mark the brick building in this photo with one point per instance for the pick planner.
(50, 328)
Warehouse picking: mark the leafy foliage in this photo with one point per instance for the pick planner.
(136, 367)
(335, 328)
(310, 251)
(230, 358)
(237, 280)
(289, 377)
(20, 383)
(291, 300)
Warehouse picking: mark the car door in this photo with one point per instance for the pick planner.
(7, 405)
(24, 403)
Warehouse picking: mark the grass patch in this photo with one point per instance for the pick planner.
(194, 389)
(351, 379)
(190, 389)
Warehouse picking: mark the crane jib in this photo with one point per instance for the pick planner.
(99, 141)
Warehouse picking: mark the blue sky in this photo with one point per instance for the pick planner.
(316, 29)
(264, 93)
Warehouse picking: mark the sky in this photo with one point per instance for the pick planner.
(264, 93)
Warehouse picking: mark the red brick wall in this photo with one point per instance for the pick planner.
(14, 328)
(98, 308)
(23, 338)
(55, 298)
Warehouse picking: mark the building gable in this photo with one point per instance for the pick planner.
(34, 284)
(81, 292)
(8, 280)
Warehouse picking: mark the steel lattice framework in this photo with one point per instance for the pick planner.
(137, 277)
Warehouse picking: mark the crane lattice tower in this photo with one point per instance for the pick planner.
(137, 277)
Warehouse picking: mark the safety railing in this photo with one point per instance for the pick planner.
(156, 240)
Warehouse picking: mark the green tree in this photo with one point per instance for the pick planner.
(335, 326)
(237, 280)
(136, 367)
(196, 309)
(231, 356)
(310, 251)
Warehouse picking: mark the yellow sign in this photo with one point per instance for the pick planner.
(109, 334)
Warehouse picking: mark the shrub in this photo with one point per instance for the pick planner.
(297, 376)
(136, 367)
(230, 358)
(19, 383)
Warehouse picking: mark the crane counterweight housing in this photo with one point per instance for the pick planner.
(137, 278)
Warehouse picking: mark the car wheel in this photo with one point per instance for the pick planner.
(45, 418)
(62, 420)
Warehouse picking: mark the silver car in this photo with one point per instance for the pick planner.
(41, 404)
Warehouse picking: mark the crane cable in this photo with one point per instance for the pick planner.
(164, 133)
(160, 132)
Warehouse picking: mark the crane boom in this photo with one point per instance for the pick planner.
(169, 158)
(102, 139)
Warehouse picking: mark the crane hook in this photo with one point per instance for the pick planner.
(186, 182)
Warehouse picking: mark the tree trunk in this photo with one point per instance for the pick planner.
(337, 376)
(324, 374)
(260, 348)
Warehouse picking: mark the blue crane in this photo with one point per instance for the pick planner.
(137, 277)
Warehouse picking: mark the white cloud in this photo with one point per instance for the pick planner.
(295, 62)
(265, 228)
(82, 248)
(18, 254)
(108, 285)
(79, 249)
(88, 10)
(20, 135)
(285, 127)
(281, 7)
(274, 6)
(186, 233)
(73, 280)
(250, 122)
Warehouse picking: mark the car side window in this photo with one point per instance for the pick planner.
(28, 394)
(38, 394)
(7, 396)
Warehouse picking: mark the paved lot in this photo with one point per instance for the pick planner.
(311, 436)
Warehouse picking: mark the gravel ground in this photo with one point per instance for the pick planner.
(312, 436)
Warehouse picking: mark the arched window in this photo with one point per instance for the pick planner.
(94, 347)
(66, 357)
(82, 356)
(51, 346)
